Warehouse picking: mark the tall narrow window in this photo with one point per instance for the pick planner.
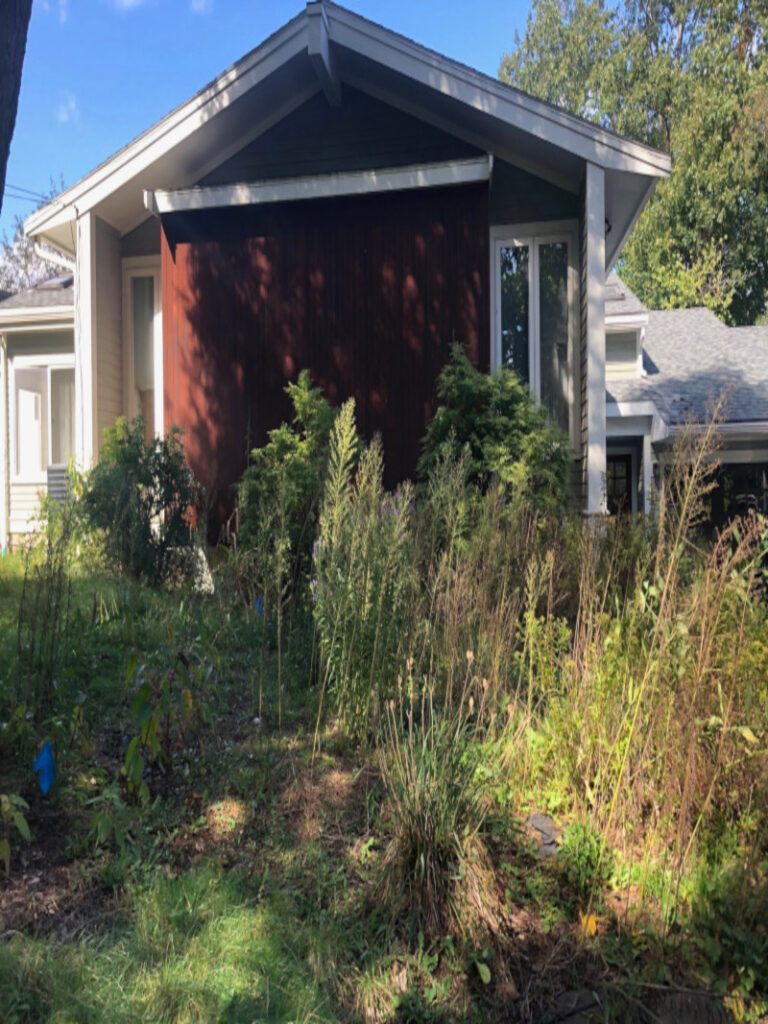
(62, 416)
(143, 314)
(515, 310)
(553, 330)
(532, 312)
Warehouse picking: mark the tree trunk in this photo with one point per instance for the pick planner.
(14, 22)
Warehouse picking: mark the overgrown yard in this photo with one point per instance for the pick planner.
(445, 754)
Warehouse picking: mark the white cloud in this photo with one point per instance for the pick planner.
(200, 6)
(128, 5)
(67, 111)
(62, 7)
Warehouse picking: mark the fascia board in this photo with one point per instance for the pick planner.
(290, 41)
(626, 320)
(492, 98)
(320, 186)
(33, 317)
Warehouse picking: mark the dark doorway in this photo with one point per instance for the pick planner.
(618, 484)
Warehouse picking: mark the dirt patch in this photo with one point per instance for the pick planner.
(328, 805)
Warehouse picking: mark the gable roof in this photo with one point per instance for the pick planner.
(325, 47)
(691, 358)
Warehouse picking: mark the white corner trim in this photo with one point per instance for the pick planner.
(320, 186)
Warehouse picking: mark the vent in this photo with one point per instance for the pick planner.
(58, 485)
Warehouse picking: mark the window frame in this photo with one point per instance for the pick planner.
(533, 235)
(48, 362)
(133, 267)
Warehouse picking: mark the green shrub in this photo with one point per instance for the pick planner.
(508, 435)
(284, 481)
(588, 866)
(138, 498)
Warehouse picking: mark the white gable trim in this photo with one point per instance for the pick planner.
(320, 186)
(485, 94)
(134, 158)
(350, 31)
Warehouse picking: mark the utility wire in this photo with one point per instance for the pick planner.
(29, 191)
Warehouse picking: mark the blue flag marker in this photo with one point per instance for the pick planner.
(258, 604)
(44, 765)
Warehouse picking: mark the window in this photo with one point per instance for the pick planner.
(143, 344)
(533, 287)
(43, 418)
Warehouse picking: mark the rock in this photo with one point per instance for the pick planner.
(548, 835)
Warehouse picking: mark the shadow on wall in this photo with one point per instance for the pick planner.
(368, 293)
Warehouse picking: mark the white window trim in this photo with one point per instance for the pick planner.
(533, 235)
(54, 361)
(143, 266)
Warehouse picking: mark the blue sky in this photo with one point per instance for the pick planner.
(99, 72)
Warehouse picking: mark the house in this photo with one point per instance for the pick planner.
(666, 369)
(346, 200)
(37, 400)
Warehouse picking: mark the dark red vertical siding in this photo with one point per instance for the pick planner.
(368, 293)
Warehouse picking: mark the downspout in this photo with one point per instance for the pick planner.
(5, 476)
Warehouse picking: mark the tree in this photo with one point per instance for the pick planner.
(21, 266)
(689, 78)
(14, 24)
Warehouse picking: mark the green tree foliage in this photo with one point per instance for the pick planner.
(508, 437)
(691, 79)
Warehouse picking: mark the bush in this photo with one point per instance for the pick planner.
(281, 489)
(139, 498)
(508, 435)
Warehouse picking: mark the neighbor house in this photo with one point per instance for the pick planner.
(346, 200)
(667, 370)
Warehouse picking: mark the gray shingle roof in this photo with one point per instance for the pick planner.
(59, 291)
(691, 358)
(620, 300)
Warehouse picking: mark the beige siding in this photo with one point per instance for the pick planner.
(25, 506)
(621, 354)
(108, 327)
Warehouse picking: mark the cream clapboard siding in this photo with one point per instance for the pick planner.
(621, 354)
(25, 507)
(108, 327)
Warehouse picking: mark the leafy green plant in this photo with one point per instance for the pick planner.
(585, 864)
(509, 438)
(139, 499)
(12, 808)
(290, 467)
(169, 708)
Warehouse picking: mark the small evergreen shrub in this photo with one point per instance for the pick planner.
(508, 436)
(281, 489)
(138, 498)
